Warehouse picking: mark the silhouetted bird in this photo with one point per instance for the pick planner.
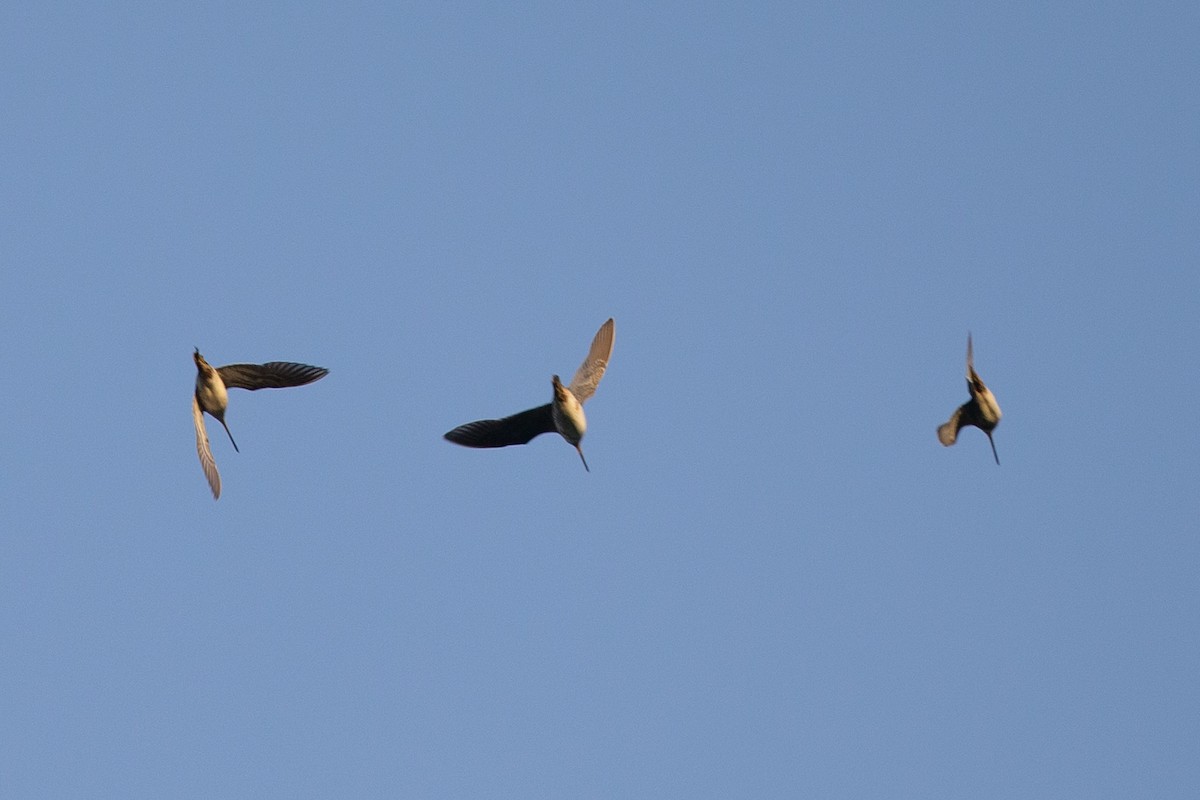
(981, 410)
(564, 414)
(211, 397)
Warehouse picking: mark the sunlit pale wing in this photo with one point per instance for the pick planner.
(588, 376)
(272, 375)
(206, 457)
(517, 429)
(975, 385)
(948, 433)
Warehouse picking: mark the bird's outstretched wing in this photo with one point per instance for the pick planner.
(272, 375)
(517, 429)
(948, 432)
(205, 452)
(588, 376)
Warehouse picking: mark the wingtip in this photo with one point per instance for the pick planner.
(946, 434)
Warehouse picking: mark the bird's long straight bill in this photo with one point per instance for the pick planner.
(230, 435)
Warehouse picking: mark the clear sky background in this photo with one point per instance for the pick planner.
(774, 582)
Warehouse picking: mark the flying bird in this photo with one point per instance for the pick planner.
(212, 398)
(564, 414)
(981, 410)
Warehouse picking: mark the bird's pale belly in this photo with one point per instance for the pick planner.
(213, 395)
(569, 420)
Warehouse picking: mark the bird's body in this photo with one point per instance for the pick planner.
(567, 412)
(563, 415)
(981, 411)
(212, 397)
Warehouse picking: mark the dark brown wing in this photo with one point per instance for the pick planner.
(965, 415)
(517, 429)
(272, 375)
(948, 432)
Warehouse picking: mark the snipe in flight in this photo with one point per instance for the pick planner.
(212, 398)
(981, 410)
(563, 415)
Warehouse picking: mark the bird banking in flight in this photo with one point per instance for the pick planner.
(564, 414)
(981, 410)
(212, 398)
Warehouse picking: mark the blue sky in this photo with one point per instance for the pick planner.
(774, 582)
